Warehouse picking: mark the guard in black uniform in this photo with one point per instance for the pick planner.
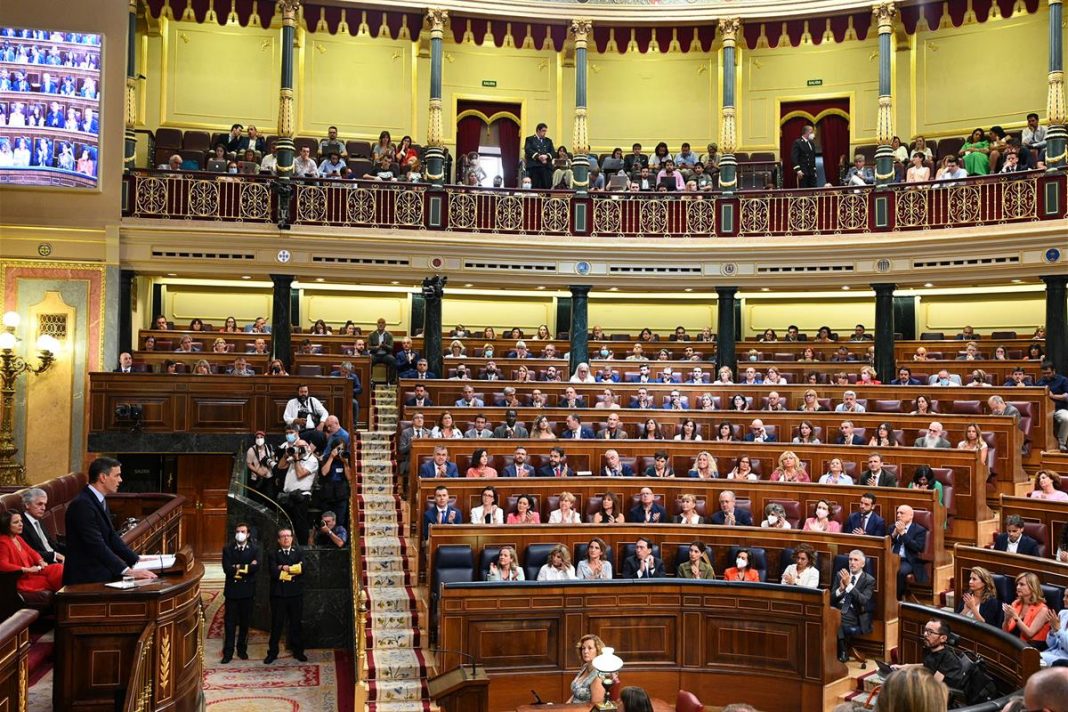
(286, 566)
(241, 561)
(803, 155)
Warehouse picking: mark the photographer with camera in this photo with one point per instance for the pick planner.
(301, 465)
(335, 474)
(305, 412)
(259, 465)
(329, 533)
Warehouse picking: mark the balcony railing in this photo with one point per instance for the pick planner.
(985, 200)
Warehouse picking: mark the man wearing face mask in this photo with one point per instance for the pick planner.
(803, 157)
(259, 464)
(300, 463)
(240, 562)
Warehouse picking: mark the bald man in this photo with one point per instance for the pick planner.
(908, 540)
(1047, 690)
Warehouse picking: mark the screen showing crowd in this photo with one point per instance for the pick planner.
(49, 107)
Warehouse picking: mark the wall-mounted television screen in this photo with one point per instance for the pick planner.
(49, 108)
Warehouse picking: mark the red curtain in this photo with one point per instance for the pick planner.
(832, 134)
(468, 133)
(509, 137)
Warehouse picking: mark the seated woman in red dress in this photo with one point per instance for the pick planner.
(17, 555)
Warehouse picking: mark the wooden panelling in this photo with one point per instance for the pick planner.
(704, 630)
(1001, 562)
(1054, 515)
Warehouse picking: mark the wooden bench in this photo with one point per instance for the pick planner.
(1044, 520)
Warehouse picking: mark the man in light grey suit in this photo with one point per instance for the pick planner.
(415, 431)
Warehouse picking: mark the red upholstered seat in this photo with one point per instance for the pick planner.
(688, 702)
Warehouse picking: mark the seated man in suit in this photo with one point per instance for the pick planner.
(729, 514)
(125, 363)
(469, 400)
(510, 428)
(574, 429)
(406, 359)
(647, 511)
(676, 401)
(1013, 539)
(422, 370)
(519, 467)
(441, 512)
(643, 564)
(36, 534)
(557, 466)
(571, 399)
(934, 438)
(421, 399)
(865, 521)
(851, 593)
(479, 430)
(998, 406)
(847, 436)
(758, 433)
(904, 378)
(95, 552)
(876, 475)
(613, 467)
(613, 429)
(642, 376)
(416, 431)
(944, 378)
(908, 540)
(440, 466)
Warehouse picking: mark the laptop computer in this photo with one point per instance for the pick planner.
(617, 182)
(250, 167)
(217, 165)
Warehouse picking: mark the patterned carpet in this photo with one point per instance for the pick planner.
(325, 682)
(396, 669)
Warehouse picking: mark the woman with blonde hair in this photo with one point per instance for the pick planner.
(566, 514)
(558, 567)
(789, 469)
(1026, 616)
(912, 689)
(587, 685)
(980, 599)
(507, 567)
(689, 515)
(704, 466)
(457, 350)
(219, 346)
(203, 368)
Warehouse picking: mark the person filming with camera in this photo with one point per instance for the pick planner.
(259, 464)
(329, 533)
(298, 459)
(335, 476)
(305, 412)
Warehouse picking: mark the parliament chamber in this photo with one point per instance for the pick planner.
(336, 333)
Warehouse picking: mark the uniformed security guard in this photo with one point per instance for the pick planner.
(286, 566)
(241, 561)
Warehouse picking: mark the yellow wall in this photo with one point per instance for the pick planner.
(662, 315)
(213, 303)
(841, 314)
(365, 308)
(1007, 311)
(501, 312)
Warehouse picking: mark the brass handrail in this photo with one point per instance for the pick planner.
(139, 691)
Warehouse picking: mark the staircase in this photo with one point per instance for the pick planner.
(394, 674)
(864, 682)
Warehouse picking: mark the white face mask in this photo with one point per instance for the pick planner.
(231, 170)
(821, 512)
(773, 519)
(240, 537)
(259, 442)
(740, 563)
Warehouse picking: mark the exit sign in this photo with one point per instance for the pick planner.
(815, 82)
(489, 83)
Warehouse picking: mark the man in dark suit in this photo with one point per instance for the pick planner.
(847, 436)
(851, 595)
(643, 564)
(1013, 539)
(380, 342)
(613, 467)
(286, 566)
(519, 467)
(557, 466)
(36, 534)
(908, 540)
(758, 433)
(865, 521)
(539, 153)
(904, 378)
(421, 399)
(441, 512)
(95, 552)
(240, 562)
(416, 431)
(803, 157)
(511, 428)
(125, 363)
(407, 357)
(440, 465)
(876, 475)
(728, 514)
(253, 140)
(647, 511)
(575, 429)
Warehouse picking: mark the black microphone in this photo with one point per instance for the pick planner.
(537, 699)
(457, 652)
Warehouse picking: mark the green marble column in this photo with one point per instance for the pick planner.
(1056, 134)
(884, 123)
(726, 351)
(281, 327)
(728, 131)
(1056, 321)
(435, 152)
(580, 326)
(433, 293)
(884, 332)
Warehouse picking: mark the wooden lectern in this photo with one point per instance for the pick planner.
(97, 634)
(462, 689)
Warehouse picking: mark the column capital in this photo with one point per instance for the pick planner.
(1055, 280)
(884, 287)
(884, 13)
(580, 290)
(436, 17)
(728, 30)
(726, 292)
(580, 29)
(133, 6)
(289, 10)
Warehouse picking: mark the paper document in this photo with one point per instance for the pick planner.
(155, 562)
